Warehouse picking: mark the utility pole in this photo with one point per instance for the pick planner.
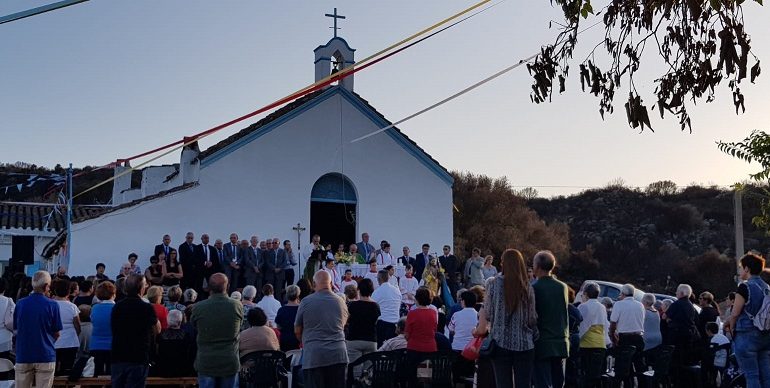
(67, 253)
(739, 249)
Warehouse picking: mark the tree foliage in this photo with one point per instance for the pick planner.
(701, 42)
(754, 148)
(493, 217)
(661, 188)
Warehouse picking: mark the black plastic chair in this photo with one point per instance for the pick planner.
(263, 369)
(624, 357)
(379, 370)
(400, 376)
(660, 375)
(441, 368)
(591, 367)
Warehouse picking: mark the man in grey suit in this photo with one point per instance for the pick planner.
(365, 249)
(232, 261)
(256, 273)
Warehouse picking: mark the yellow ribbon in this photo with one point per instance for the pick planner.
(325, 79)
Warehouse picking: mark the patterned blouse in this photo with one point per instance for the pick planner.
(518, 331)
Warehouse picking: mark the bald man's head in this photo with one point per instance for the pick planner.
(218, 283)
(322, 280)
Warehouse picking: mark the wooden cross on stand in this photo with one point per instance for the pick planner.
(335, 16)
(299, 228)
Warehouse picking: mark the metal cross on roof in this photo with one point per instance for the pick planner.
(335, 16)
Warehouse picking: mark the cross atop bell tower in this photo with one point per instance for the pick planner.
(335, 16)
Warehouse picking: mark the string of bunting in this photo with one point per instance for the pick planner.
(58, 180)
(345, 72)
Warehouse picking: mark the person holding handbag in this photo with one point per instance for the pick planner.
(510, 318)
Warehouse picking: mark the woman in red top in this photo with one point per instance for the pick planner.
(420, 334)
(155, 296)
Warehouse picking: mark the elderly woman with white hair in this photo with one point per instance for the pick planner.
(176, 349)
(652, 336)
(247, 300)
(284, 319)
(189, 297)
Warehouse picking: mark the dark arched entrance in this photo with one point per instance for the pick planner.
(333, 203)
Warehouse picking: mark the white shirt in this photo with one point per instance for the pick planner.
(408, 286)
(385, 258)
(270, 306)
(594, 314)
(346, 283)
(462, 325)
(373, 277)
(393, 280)
(720, 356)
(628, 313)
(389, 299)
(68, 336)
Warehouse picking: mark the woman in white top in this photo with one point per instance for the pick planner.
(6, 321)
(269, 304)
(68, 343)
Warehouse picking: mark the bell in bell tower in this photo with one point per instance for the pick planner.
(334, 56)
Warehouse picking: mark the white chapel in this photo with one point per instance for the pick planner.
(295, 166)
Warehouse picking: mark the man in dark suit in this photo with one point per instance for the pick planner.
(421, 261)
(232, 261)
(252, 265)
(279, 270)
(406, 259)
(256, 266)
(271, 264)
(365, 249)
(450, 264)
(208, 257)
(189, 259)
(165, 247)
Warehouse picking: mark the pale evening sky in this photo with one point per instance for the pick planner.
(102, 80)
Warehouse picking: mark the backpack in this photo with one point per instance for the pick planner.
(761, 319)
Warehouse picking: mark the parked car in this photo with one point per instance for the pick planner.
(663, 297)
(609, 289)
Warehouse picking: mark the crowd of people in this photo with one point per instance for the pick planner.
(197, 309)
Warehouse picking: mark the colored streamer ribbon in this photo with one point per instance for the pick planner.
(308, 89)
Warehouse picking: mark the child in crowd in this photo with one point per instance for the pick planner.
(409, 286)
(717, 341)
(348, 280)
(392, 278)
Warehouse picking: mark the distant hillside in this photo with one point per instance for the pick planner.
(658, 238)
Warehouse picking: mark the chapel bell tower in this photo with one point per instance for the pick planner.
(334, 56)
